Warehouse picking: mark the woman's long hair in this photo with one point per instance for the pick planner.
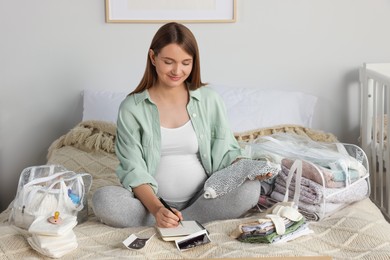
(172, 33)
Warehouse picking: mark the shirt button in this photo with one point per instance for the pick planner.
(204, 155)
(194, 115)
(201, 136)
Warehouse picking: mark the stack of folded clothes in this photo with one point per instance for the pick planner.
(53, 238)
(282, 223)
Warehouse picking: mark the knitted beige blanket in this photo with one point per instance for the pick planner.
(356, 232)
(98, 135)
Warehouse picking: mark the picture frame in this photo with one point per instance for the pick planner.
(162, 11)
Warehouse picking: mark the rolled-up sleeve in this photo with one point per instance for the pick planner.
(131, 146)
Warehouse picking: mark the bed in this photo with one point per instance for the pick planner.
(375, 107)
(358, 231)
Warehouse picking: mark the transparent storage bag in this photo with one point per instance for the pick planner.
(43, 190)
(334, 175)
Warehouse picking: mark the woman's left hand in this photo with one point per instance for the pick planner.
(264, 177)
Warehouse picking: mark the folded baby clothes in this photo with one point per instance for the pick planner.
(231, 177)
(53, 239)
(281, 223)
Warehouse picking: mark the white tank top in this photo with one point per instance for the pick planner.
(180, 173)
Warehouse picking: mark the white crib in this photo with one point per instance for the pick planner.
(375, 112)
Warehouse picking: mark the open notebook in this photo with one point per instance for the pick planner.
(189, 227)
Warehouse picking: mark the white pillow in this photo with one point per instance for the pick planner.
(102, 105)
(252, 108)
(247, 108)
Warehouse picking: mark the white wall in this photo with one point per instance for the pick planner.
(51, 50)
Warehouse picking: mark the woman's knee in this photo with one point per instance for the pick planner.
(108, 196)
(230, 205)
(115, 206)
(248, 193)
(107, 203)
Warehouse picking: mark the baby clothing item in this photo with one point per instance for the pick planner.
(229, 178)
(281, 223)
(53, 240)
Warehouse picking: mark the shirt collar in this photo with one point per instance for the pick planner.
(141, 96)
(196, 94)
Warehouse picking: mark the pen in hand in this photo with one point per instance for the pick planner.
(169, 208)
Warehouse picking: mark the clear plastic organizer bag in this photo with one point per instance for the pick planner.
(333, 174)
(43, 190)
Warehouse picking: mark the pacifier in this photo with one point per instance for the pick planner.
(56, 218)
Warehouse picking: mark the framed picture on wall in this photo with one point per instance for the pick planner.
(161, 11)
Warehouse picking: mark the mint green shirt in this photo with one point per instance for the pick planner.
(138, 140)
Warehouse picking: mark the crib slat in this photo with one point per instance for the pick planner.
(366, 111)
(387, 156)
(379, 141)
(374, 137)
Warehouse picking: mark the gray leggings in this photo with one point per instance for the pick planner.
(117, 206)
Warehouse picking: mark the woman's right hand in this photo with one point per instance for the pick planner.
(166, 219)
